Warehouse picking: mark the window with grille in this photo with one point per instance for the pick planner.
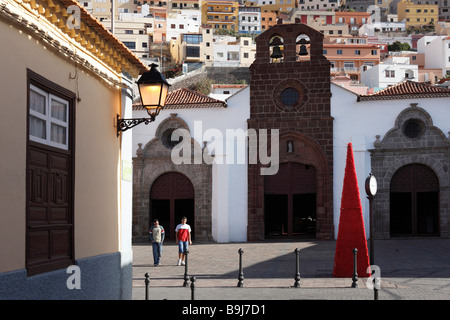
(289, 97)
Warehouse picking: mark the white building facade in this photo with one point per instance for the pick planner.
(249, 20)
(437, 52)
(183, 21)
(371, 123)
(400, 134)
(389, 72)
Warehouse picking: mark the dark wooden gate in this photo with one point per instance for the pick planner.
(49, 210)
(414, 202)
(171, 197)
(290, 201)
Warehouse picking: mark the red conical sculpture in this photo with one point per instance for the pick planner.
(351, 232)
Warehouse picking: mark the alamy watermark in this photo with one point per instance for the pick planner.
(374, 281)
(228, 148)
(74, 18)
(74, 280)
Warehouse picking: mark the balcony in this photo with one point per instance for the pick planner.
(219, 21)
(345, 69)
(223, 10)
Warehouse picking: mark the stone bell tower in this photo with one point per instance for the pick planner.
(290, 91)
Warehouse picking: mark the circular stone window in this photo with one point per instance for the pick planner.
(413, 128)
(289, 95)
(166, 138)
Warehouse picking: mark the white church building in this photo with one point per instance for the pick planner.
(293, 188)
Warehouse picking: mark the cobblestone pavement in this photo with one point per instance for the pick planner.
(411, 269)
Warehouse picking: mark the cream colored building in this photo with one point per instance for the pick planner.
(213, 50)
(102, 8)
(134, 34)
(247, 51)
(65, 183)
(193, 47)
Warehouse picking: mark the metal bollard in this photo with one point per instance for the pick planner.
(297, 269)
(147, 283)
(193, 288)
(355, 273)
(241, 273)
(376, 287)
(186, 275)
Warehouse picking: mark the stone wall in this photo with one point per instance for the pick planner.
(307, 123)
(396, 150)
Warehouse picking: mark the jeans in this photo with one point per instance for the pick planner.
(182, 246)
(157, 251)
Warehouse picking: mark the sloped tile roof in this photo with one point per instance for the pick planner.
(406, 89)
(185, 99)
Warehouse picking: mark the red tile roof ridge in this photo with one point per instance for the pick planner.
(407, 88)
(188, 98)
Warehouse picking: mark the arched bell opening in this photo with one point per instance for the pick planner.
(303, 47)
(276, 48)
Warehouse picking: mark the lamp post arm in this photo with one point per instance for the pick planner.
(125, 124)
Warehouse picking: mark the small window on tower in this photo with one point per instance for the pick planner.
(289, 97)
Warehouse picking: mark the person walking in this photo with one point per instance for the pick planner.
(157, 236)
(183, 237)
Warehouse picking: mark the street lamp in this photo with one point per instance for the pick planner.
(371, 190)
(153, 89)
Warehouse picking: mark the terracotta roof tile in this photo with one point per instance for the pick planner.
(407, 89)
(185, 98)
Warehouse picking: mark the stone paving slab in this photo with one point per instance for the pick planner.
(410, 269)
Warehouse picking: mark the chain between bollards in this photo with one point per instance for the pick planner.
(355, 273)
(241, 273)
(193, 279)
(297, 269)
(147, 282)
(186, 275)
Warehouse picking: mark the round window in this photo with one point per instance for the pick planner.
(289, 96)
(413, 128)
(166, 138)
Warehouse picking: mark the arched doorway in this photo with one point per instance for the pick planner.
(290, 201)
(414, 202)
(172, 197)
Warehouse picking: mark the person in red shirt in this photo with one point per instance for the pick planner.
(183, 236)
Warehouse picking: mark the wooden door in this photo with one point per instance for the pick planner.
(171, 197)
(49, 216)
(414, 202)
(290, 201)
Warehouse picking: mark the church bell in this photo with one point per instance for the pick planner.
(276, 53)
(303, 51)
